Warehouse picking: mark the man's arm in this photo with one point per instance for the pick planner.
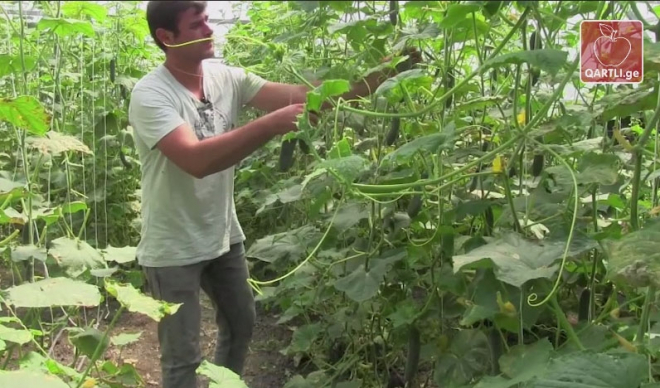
(274, 95)
(158, 124)
(208, 156)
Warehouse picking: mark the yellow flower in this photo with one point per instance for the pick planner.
(498, 165)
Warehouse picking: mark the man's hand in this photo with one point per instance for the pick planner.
(414, 57)
(285, 119)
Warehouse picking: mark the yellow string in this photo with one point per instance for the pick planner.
(187, 43)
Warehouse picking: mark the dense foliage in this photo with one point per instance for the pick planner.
(482, 220)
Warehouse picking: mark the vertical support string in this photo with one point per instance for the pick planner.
(94, 188)
(105, 142)
(82, 118)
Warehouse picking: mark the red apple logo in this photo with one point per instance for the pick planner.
(611, 50)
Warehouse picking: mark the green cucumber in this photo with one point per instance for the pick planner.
(490, 220)
(415, 204)
(535, 43)
(414, 350)
(450, 82)
(583, 305)
(304, 147)
(394, 12)
(113, 69)
(537, 165)
(286, 154)
(393, 133)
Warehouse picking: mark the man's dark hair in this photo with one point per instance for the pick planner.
(167, 14)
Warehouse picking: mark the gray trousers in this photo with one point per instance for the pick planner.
(224, 280)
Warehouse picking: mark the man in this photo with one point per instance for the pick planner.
(183, 114)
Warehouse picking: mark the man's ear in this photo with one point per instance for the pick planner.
(164, 36)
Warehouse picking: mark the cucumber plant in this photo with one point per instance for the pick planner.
(467, 213)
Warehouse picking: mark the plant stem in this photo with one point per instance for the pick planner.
(646, 310)
(509, 196)
(564, 324)
(97, 351)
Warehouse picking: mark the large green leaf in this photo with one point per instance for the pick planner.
(14, 64)
(457, 13)
(12, 216)
(315, 379)
(340, 149)
(23, 379)
(548, 60)
(600, 169)
(36, 362)
(66, 27)
(468, 357)
(577, 148)
(286, 195)
(76, 9)
(530, 364)
(358, 31)
(18, 336)
(626, 102)
(349, 215)
(362, 284)
(88, 339)
(52, 292)
(76, 255)
(303, 338)
(349, 167)
(526, 360)
(27, 252)
(588, 369)
(429, 31)
(635, 258)
(407, 78)
(72, 207)
(121, 255)
(355, 29)
(220, 377)
(137, 302)
(25, 112)
(8, 186)
(291, 245)
(429, 143)
(490, 7)
(517, 260)
(123, 339)
(329, 88)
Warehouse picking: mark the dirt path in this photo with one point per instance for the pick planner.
(265, 367)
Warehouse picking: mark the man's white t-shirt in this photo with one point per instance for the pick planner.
(186, 220)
